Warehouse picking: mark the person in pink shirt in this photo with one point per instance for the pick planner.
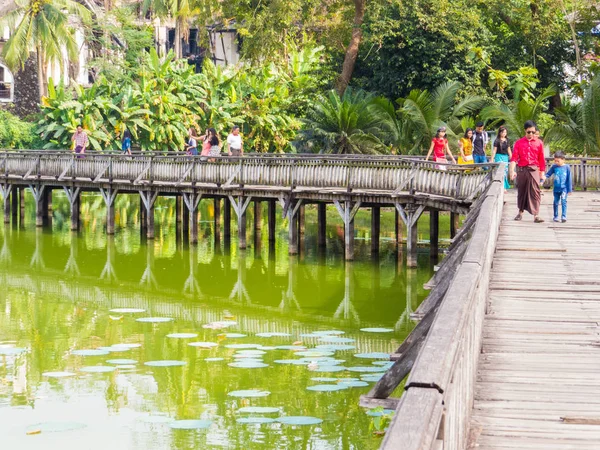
(439, 147)
(530, 164)
(80, 139)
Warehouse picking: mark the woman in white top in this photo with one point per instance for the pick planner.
(234, 142)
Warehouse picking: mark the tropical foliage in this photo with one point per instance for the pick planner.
(17, 133)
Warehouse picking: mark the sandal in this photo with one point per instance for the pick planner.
(519, 217)
(538, 220)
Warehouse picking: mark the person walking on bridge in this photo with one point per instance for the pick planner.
(530, 164)
(80, 141)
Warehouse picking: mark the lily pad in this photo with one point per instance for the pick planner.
(97, 369)
(248, 365)
(266, 347)
(190, 424)
(90, 352)
(372, 378)
(126, 366)
(295, 362)
(373, 355)
(58, 374)
(203, 344)
(156, 419)
(328, 333)
(314, 353)
(54, 427)
(182, 335)
(291, 347)
(249, 393)
(274, 334)
(132, 345)
(335, 347)
(235, 335)
(387, 412)
(353, 383)
(242, 346)
(324, 360)
(325, 379)
(365, 369)
(121, 361)
(214, 359)
(336, 340)
(377, 330)
(252, 352)
(258, 410)
(385, 365)
(154, 319)
(127, 310)
(327, 387)
(165, 363)
(329, 369)
(299, 420)
(256, 420)
(9, 351)
(115, 349)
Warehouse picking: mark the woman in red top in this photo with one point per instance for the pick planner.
(528, 158)
(439, 147)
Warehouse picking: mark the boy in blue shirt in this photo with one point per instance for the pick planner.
(563, 184)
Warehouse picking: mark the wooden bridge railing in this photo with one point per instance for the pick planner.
(385, 174)
(434, 410)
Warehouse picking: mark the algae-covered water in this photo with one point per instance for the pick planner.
(122, 343)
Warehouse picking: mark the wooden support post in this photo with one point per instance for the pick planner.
(301, 219)
(410, 216)
(257, 216)
(434, 232)
(227, 218)
(217, 219)
(322, 224)
(191, 202)
(143, 219)
(185, 221)
(109, 195)
(22, 206)
(271, 219)
(292, 231)
(375, 228)
(73, 197)
(454, 219)
(347, 211)
(178, 218)
(148, 199)
(38, 196)
(240, 205)
(14, 197)
(6, 191)
(398, 230)
(46, 205)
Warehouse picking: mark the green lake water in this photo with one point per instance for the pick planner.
(62, 292)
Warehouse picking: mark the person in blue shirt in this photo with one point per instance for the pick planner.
(126, 143)
(563, 184)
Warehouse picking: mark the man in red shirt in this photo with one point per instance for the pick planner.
(528, 158)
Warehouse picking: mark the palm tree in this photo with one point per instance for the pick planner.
(422, 112)
(514, 114)
(42, 26)
(352, 123)
(578, 124)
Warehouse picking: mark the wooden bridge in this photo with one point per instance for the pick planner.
(409, 185)
(505, 353)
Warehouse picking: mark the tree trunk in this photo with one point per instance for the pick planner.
(353, 46)
(42, 79)
(177, 39)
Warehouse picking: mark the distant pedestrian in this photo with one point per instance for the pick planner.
(480, 142)
(215, 144)
(192, 144)
(528, 159)
(501, 152)
(234, 142)
(563, 184)
(465, 146)
(126, 143)
(205, 143)
(80, 140)
(439, 147)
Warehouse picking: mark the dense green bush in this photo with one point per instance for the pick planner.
(16, 133)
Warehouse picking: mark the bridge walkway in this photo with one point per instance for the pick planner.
(538, 377)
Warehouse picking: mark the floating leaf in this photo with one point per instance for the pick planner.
(258, 410)
(373, 355)
(133, 345)
(314, 353)
(165, 363)
(257, 420)
(336, 340)
(379, 413)
(328, 332)
(335, 347)
(190, 424)
(249, 393)
(58, 374)
(252, 352)
(156, 419)
(324, 379)
(9, 351)
(353, 383)
(234, 335)
(329, 369)
(55, 427)
(242, 346)
(299, 420)
(203, 344)
(121, 361)
(154, 319)
(213, 359)
(274, 334)
(372, 378)
(97, 369)
(365, 369)
(127, 310)
(182, 335)
(90, 352)
(324, 360)
(384, 364)
(327, 387)
(248, 365)
(291, 347)
(377, 330)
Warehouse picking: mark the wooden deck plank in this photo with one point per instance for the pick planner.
(540, 358)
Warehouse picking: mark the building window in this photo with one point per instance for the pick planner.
(6, 84)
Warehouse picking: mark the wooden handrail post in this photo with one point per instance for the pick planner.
(583, 174)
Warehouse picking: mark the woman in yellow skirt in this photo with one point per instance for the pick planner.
(465, 145)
